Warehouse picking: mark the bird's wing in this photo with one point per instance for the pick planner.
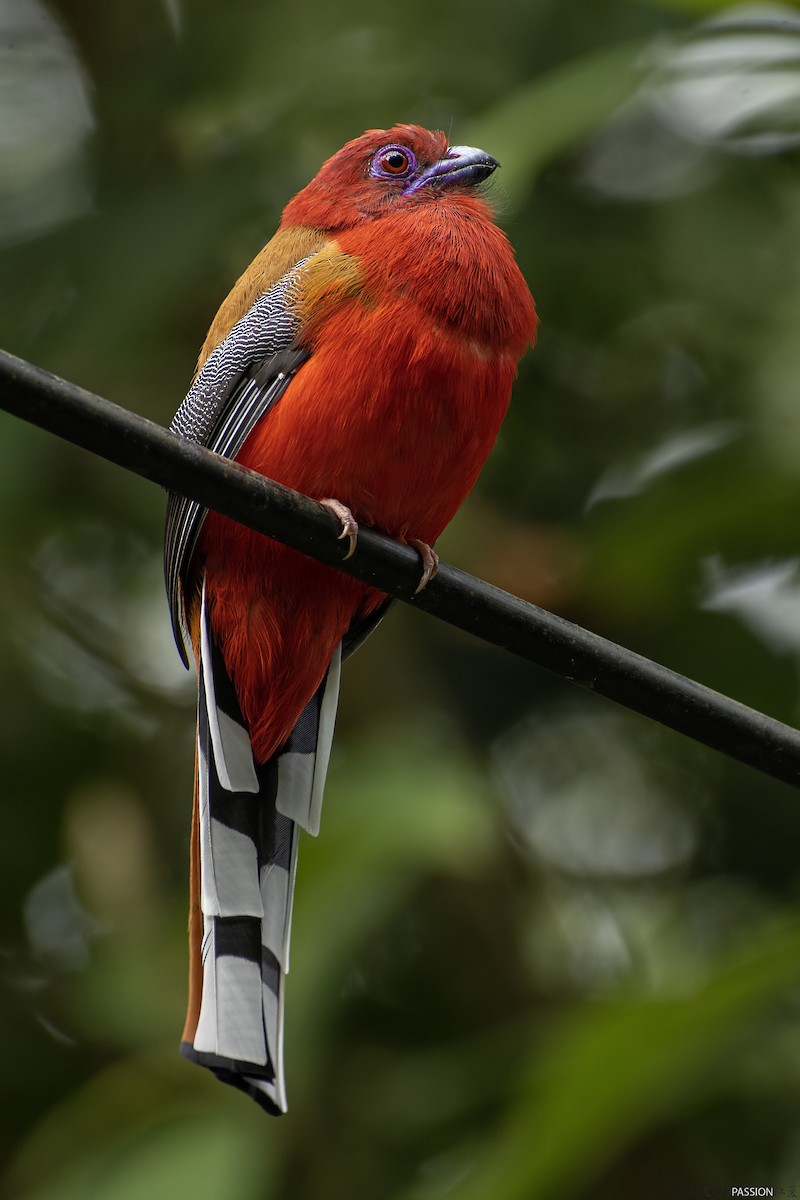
(240, 381)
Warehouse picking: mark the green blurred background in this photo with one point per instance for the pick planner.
(542, 947)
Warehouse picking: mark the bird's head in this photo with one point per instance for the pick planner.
(383, 170)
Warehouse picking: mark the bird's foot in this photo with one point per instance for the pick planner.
(349, 523)
(430, 563)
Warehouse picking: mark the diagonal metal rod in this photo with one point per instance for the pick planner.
(468, 603)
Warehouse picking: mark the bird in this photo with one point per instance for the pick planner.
(365, 358)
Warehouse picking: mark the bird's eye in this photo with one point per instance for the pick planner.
(393, 162)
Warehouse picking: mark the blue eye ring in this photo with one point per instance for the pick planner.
(393, 162)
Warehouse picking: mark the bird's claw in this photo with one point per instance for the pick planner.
(430, 563)
(349, 523)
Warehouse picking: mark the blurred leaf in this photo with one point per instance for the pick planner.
(607, 1073)
(124, 1138)
(555, 113)
(709, 6)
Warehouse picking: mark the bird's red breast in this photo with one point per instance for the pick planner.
(415, 314)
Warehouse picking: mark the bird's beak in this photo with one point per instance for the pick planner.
(460, 165)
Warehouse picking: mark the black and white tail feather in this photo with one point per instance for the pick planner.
(249, 820)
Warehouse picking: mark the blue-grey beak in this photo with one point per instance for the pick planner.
(461, 164)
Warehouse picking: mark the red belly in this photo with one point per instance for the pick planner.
(400, 442)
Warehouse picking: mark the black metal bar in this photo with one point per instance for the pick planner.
(470, 604)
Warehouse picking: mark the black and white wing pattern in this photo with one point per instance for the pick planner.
(240, 381)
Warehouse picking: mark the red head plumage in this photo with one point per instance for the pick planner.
(405, 203)
(348, 189)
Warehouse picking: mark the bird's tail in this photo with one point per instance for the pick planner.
(244, 853)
